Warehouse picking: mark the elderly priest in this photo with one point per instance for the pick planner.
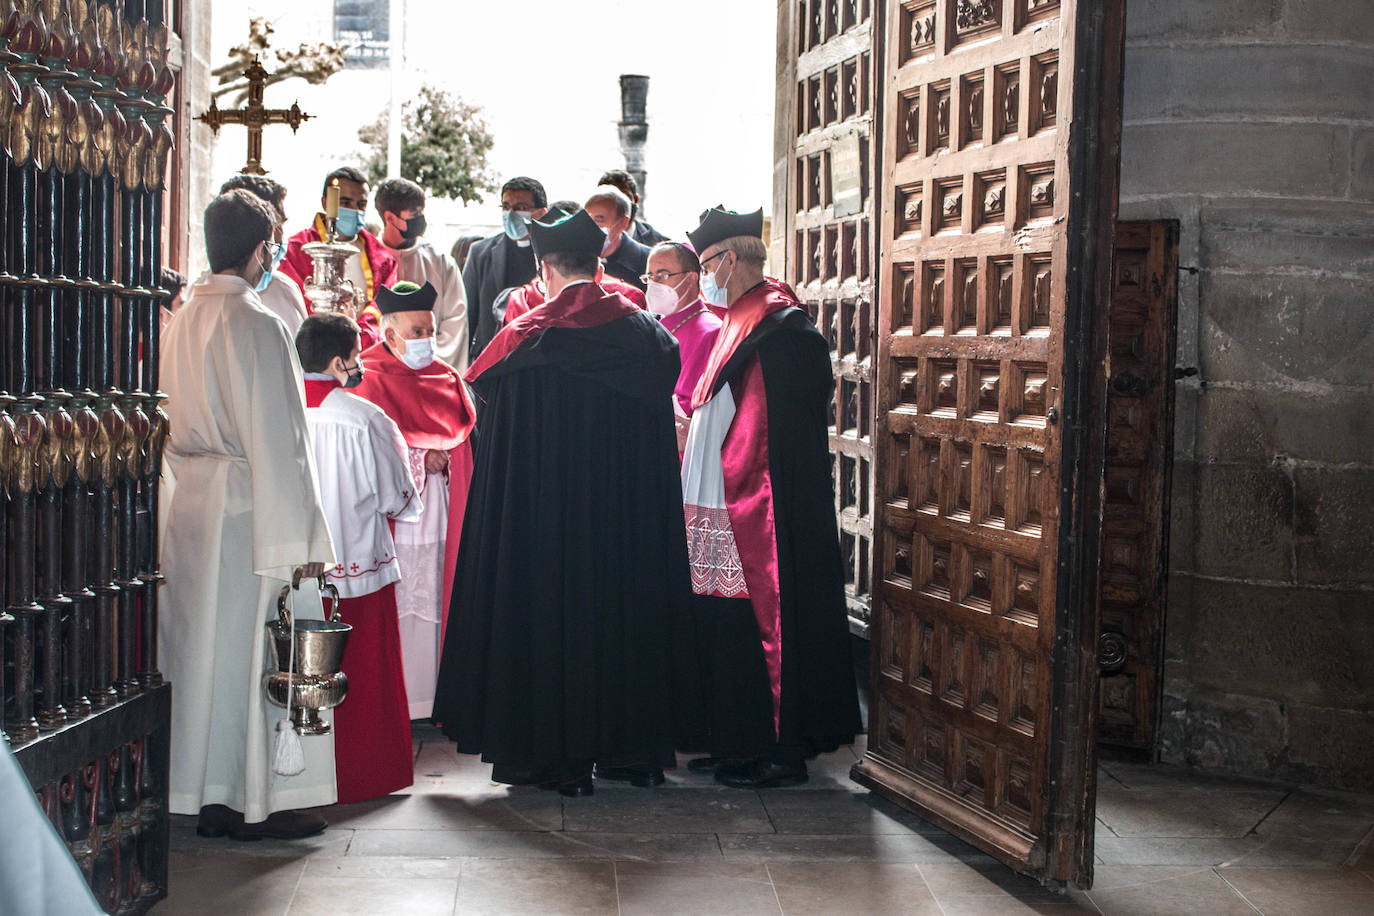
(570, 642)
(765, 553)
(425, 397)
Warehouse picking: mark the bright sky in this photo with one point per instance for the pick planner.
(547, 73)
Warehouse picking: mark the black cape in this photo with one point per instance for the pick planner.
(819, 709)
(570, 635)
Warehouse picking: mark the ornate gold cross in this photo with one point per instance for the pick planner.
(255, 116)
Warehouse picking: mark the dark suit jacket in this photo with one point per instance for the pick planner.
(484, 277)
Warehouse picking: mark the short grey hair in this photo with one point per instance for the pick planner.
(745, 247)
(609, 192)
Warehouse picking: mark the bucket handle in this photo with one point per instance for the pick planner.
(284, 614)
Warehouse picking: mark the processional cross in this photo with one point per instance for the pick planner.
(255, 116)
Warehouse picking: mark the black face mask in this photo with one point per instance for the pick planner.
(354, 378)
(415, 227)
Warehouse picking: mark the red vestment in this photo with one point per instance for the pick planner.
(434, 412)
(532, 295)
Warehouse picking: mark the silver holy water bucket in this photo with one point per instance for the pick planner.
(329, 290)
(317, 683)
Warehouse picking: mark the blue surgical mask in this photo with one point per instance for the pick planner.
(348, 222)
(517, 224)
(712, 292)
(266, 277)
(419, 353)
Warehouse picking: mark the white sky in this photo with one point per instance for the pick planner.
(547, 73)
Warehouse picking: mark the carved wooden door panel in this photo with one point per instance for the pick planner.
(826, 191)
(999, 176)
(1139, 461)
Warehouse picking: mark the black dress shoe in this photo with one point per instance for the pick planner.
(641, 777)
(280, 825)
(217, 820)
(579, 787)
(761, 774)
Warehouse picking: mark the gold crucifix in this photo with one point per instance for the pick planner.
(255, 116)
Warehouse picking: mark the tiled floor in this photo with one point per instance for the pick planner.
(1167, 842)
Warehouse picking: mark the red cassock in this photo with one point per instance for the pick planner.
(373, 753)
(434, 411)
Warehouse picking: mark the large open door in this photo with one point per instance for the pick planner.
(1000, 148)
(826, 216)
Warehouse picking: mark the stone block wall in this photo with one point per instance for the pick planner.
(1252, 123)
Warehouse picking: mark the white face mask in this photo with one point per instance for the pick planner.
(418, 353)
(662, 299)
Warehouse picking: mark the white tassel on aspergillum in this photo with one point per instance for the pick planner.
(288, 759)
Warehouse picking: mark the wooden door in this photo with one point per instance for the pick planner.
(1000, 181)
(825, 190)
(1139, 463)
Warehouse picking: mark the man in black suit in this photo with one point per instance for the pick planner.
(504, 260)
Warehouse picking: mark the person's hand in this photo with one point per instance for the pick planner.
(435, 461)
(312, 570)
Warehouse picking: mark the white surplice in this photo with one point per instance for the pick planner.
(244, 512)
(421, 262)
(365, 479)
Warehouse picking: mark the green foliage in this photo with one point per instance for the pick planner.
(444, 146)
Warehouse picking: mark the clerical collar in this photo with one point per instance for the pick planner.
(319, 377)
(523, 243)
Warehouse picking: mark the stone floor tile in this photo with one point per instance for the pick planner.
(537, 888)
(1330, 820)
(718, 889)
(667, 811)
(333, 842)
(323, 895)
(986, 905)
(202, 883)
(506, 844)
(839, 812)
(1193, 851)
(1302, 891)
(1206, 810)
(383, 867)
(874, 889)
(992, 879)
(1168, 892)
(514, 809)
(888, 848)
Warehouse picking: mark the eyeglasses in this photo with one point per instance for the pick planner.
(705, 261)
(661, 276)
(275, 249)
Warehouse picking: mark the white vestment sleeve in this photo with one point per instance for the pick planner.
(397, 495)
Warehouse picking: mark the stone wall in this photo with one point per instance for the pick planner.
(196, 143)
(1252, 123)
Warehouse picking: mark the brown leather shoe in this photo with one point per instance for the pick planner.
(281, 825)
(217, 820)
